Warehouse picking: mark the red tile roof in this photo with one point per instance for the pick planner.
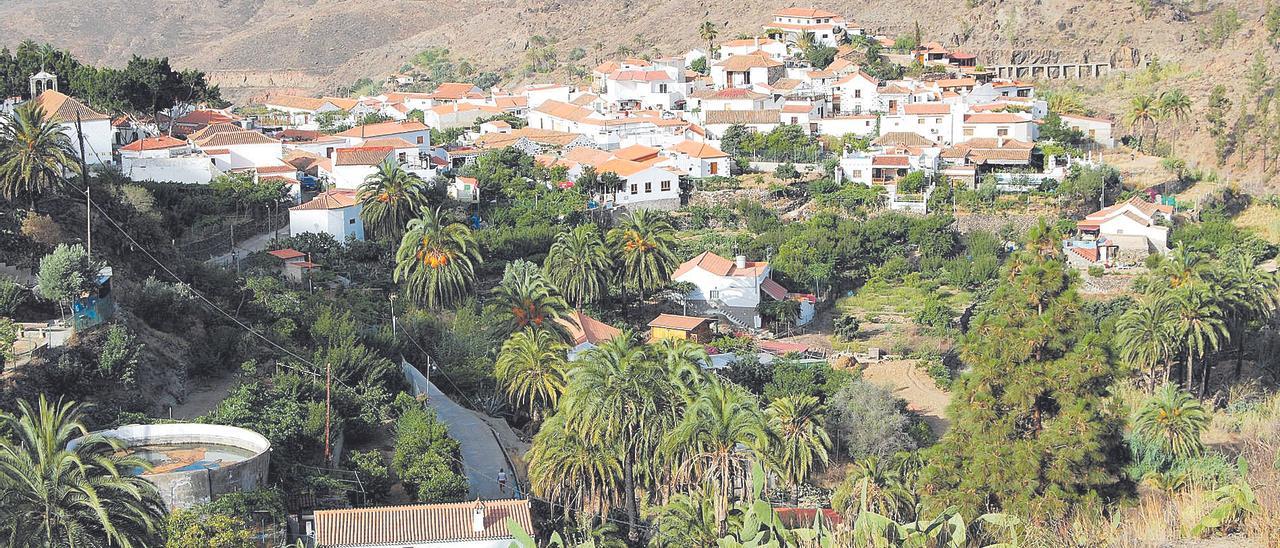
(926, 109)
(361, 156)
(720, 266)
(891, 161)
(419, 524)
(153, 143)
(773, 289)
(330, 199)
(995, 118)
(62, 108)
(232, 138)
(585, 329)
(384, 128)
(287, 253)
(678, 322)
(698, 149)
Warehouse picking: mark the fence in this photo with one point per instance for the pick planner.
(219, 239)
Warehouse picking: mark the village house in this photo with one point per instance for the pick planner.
(166, 159)
(306, 112)
(828, 29)
(746, 46)
(729, 99)
(747, 70)
(533, 141)
(455, 115)
(600, 74)
(762, 121)
(731, 288)
(663, 85)
(586, 332)
(63, 110)
(857, 93)
(231, 148)
(1001, 125)
(412, 131)
(1095, 129)
(464, 189)
(933, 121)
(644, 185)
(966, 162)
(451, 525)
(861, 125)
(352, 165)
(196, 120)
(333, 212)
(457, 92)
(697, 159)
(685, 328)
(1124, 233)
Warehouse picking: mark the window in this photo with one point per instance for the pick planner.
(857, 174)
(1002, 131)
(419, 139)
(795, 120)
(715, 167)
(666, 185)
(648, 187)
(920, 121)
(857, 94)
(968, 131)
(662, 88)
(400, 157)
(634, 188)
(351, 221)
(328, 152)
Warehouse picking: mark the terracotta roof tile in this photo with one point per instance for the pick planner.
(361, 156)
(419, 524)
(62, 108)
(676, 321)
(382, 129)
(329, 199)
(232, 138)
(698, 149)
(585, 329)
(766, 116)
(154, 143)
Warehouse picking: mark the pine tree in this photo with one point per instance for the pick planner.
(1032, 431)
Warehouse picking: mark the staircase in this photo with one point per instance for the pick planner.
(737, 317)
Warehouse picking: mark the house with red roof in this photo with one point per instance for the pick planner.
(745, 71)
(166, 159)
(663, 85)
(586, 332)
(64, 110)
(351, 165)
(333, 212)
(856, 93)
(698, 159)
(733, 288)
(1096, 128)
(998, 125)
(776, 49)
(1126, 232)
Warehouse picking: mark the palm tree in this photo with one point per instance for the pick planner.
(533, 367)
(689, 520)
(1142, 112)
(721, 434)
(526, 301)
(1174, 104)
(36, 156)
(618, 397)
(708, 31)
(805, 41)
(55, 495)
(1147, 336)
(1179, 268)
(1200, 327)
(683, 359)
(1172, 419)
(390, 197)
(1254, 295)
(796, 423)
(572, 470)
(643, 245)
(873, 487)
(436, 261)
(578, 263)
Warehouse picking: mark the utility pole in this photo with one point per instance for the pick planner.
(88, 201)
(328, 379)
(393, 317)
(234, 259)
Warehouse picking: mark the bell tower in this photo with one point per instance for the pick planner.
(41, 82)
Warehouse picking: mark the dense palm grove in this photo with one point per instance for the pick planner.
(1069, 416)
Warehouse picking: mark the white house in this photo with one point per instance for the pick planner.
(98, 133)
(1127, 231)
(306, 112)
(729, 99)
(453, 115)
(240, 149)
(1097, 130)
(1002, 125)
(734, 288)
(827, 28)
(451, 525)
(464, 189)
(409, 130)
(763, 121)
(351, 165)
(698, 159)
(644, 186)
(857, 93)
(934, 121)
(333, 212)
(747, 70)
(661, 85)
(166, 159)
(861, 125)
(772, 48)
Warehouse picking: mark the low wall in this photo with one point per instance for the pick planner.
(188, 488)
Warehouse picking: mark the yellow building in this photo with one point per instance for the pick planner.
(675, 326)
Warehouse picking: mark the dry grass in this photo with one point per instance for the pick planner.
(1264, 220)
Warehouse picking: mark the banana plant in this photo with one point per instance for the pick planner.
(1232, 502)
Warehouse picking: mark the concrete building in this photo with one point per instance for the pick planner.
(644, 186)
(733, 289)
(1097, 130)
(738, 71)
(827, 28)
(697, 159)
(351, 165)
(98, 133)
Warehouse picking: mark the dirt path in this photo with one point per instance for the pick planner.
(205, 396)
(909, 383)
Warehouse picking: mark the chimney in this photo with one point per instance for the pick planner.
(740, 261)
(477, 517)
(757, 42)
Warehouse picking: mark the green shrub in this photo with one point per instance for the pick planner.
(846, 327)
(935, 314)
(425, 458)
(1096, 271)
(373, 473)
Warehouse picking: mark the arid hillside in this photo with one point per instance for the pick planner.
(337, 41)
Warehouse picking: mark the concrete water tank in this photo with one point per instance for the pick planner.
(195, 463)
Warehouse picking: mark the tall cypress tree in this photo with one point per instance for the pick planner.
(1032, 431)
